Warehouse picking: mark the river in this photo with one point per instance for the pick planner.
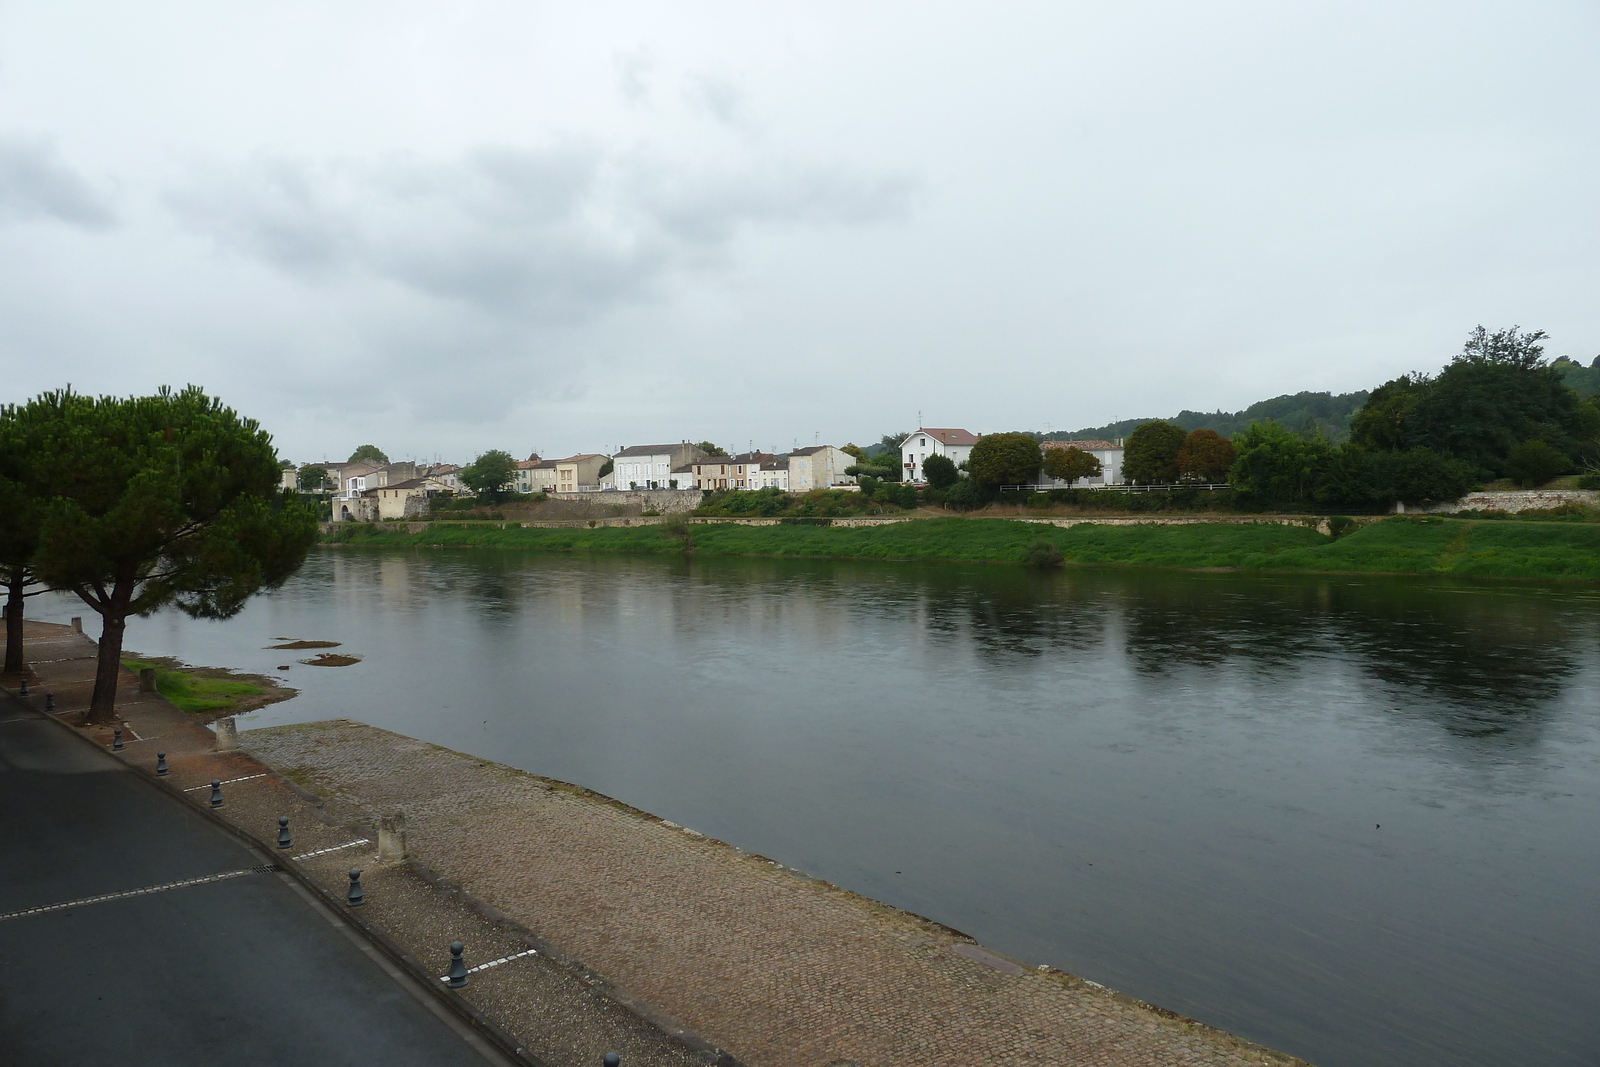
(1351, 818)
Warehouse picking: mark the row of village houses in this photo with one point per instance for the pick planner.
(367, 491)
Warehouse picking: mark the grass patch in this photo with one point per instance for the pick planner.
(208, 692)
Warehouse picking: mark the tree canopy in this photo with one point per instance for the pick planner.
(1205, 456)
(20, 519)
(1150, 455)
(490, 475)
(1005, 459)
(314, 479)
(369, 454)
(940, 471)
(1495, 395)
(1070, 464)
(710, 449)
(165, 499)
(1534, 463)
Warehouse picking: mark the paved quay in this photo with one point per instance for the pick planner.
(779, 968)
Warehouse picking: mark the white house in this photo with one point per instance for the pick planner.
(653, 466)
(771, 474)
(955, 445)
(1109, 453)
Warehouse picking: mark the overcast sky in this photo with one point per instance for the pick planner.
(447, 227)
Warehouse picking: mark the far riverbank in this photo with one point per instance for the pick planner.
(1482, 548)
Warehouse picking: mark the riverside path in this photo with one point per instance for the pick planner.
(135, 930)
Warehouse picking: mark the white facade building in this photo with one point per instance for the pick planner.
(955, 445)
(772, 474)
(653, 466)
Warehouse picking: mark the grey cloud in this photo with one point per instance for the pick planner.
(633, 75)
(556, 234)
(36, 184)
(709, 211)
(717, 96)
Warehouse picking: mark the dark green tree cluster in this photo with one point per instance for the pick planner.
(490, 475)
(1498, 395)
(139, 502)
(1498, 410)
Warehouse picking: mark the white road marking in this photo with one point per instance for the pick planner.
(263, 869)
(495, 963)
(335, 848)
(226, 781)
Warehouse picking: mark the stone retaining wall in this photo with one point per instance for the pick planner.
(1511, 501)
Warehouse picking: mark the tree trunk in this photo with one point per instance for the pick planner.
(103, 705)
(15, 664)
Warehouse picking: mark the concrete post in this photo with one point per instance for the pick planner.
(147, 679)
(77, 624)
(392, 838)
(227, 734)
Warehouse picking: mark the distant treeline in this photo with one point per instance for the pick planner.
(1299, 413)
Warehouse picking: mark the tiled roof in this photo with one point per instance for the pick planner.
(950, 436)
(648, 450)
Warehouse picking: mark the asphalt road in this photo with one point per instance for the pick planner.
(247, 970)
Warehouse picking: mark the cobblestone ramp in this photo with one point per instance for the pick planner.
(778, 968)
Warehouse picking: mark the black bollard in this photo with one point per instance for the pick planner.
(355, 898)
(24, 690)
(216, 793)
(49, 702)
(161, 763)
(456, 977)
(116, 739)
(612, 1059)
(284, 840)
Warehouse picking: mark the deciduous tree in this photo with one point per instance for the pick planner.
(1205, 456)
(710, 449)
(369, 454)
(1070, 464)
(490, 475)
(1534, 463)
(1275, 467)
(940, 471)
(156, 500)
(313, 480)
(1005, 459)
(1150, 456)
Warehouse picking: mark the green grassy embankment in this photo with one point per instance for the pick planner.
(1401, 545)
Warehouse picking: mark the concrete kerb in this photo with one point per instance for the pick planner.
(424, 977)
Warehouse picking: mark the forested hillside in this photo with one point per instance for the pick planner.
(1585, 381)
(1301, 411)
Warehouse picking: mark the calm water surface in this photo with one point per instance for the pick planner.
(1353, 819)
